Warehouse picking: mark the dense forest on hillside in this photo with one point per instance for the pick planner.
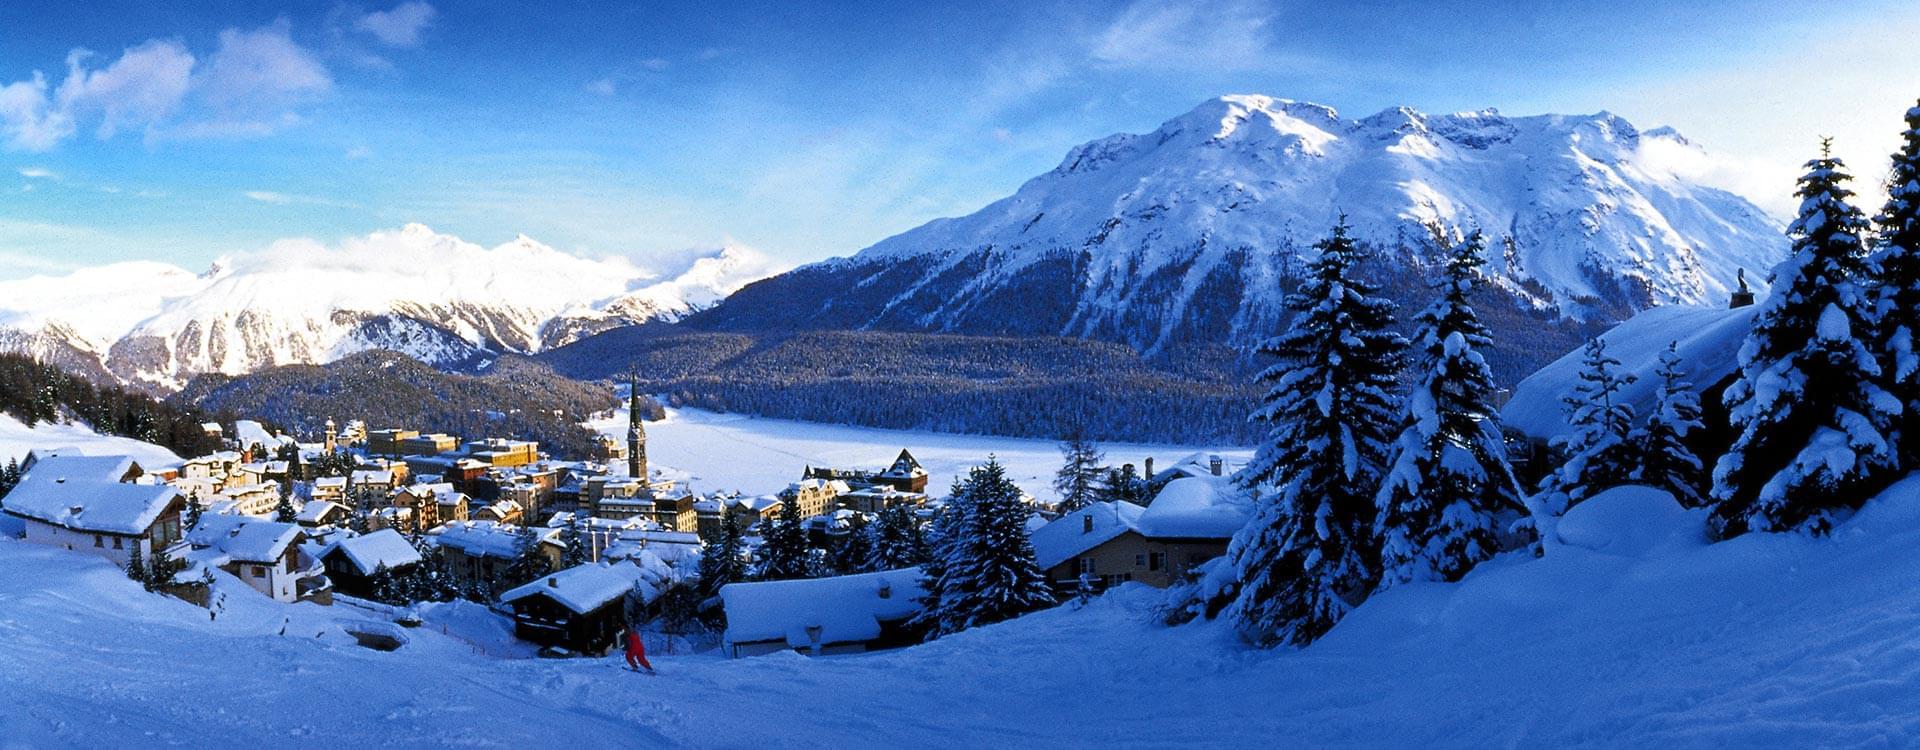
(1023, 387)
(514, 398)
(35, 392)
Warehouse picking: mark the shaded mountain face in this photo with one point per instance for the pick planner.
(433, 297)
(1193, 233)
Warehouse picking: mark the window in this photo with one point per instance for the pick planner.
(259, 571)
(117, 543)
(1157, 561)
(1140, 560)
(99, 541)
(1086, 566)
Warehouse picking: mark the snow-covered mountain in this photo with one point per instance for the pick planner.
(1191, 232)
(432, 296)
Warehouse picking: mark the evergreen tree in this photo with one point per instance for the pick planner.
(1449, 499)
(1598, 452)
(9, 477)
(895, 541)
(1307, 556)
(943, 539)
(1124, 485)
(1897, 277)
(850, 554)
(161, 569)
(1078, 480)
(137, 567)
(990, 574)
(784, 549)
(1665, 460)
(1812, 420)
(386, 587)
(720, 560)
(284, 511)
(530, 563)
(191, 516)
(575, 542)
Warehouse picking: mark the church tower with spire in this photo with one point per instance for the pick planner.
(636, 432)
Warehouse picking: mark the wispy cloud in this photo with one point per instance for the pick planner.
(1219, 35)
(38, 173)
(399, 27)
(290, 199)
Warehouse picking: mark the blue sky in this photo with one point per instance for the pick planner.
(182, 131)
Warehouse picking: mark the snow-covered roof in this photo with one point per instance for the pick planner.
(1709, 341)
(846, 609)
(368, 552)
(363, 476)
(244, 538)
(488, 538)
(1068, 536)
(1203, 507)
(315, 510)
(337, 483)
(84, 493)
(1198, 465)
(585, 588)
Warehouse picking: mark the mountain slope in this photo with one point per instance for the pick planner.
(432, 296)
(1192, 232)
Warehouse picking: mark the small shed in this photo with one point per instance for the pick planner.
(582, 609)
(352, 561)
(842, 614)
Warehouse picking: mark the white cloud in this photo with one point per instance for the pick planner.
(400, 27)
(140, 89)
(289, 199)
(38, 173)
(263, 69)
(27, 120)
(603, 87)
(1218, 35)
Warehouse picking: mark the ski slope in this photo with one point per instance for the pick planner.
(1631, 633)
(17, 440)
(754, 455)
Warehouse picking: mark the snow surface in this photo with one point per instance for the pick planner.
(1761, 641)
(17, 440)
(370, 551)
(1202, 507)
(846, 609)
(754, 455)
(1709, 342)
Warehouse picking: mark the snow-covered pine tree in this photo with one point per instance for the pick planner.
(895, 541)
(1124, 485)
(851, 552)
(1897, 277)
(284, 511)
(784, 551)
(137, 567)
(529, 562)
(991, 574)
(1665, 460)
(1811, 418)
(943, 539)
(720, 560)
(1449, 499)
(1308, 554)
(1598, 453)
(190, 518)
(1078, 480)
(575, 542)
(385, 587)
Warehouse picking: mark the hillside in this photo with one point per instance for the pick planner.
(433, 296)
(515, 398)
(1013, 386)
(1193, 233)
(1638, 636)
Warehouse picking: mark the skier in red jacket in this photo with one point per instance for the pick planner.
(636, 652)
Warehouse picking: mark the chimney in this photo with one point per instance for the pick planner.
(1086, 524)
(1214, 464)
(1149, 468)
(553, 582)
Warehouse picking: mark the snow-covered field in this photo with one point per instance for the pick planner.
(16, 440)
(757, 456)
(1640, 637)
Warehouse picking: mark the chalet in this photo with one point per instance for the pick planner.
(905, 475)
(812, 497)
(256, 499)
(583, 609)
(500, 511)
(424, 502)
(872, 500)
(333, 489)
(1708, 342)
(94, 504)
(351, 562)
(318, 513)
(1191, 521)
(479, 551)
(750, 511)
(264, 554)
(842, 614)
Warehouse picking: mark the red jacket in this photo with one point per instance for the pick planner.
(634, 646)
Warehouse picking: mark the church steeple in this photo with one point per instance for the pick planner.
(636, 432)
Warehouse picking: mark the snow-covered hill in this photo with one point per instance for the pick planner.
(432, 296)
(1633, 633)
(1189, 232)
